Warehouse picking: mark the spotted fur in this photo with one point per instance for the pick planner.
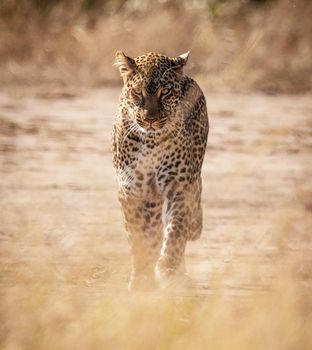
(159, 142)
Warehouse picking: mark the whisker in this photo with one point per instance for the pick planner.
(128, 132)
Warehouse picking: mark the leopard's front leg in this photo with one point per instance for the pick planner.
(170, 266)
(144, 230)
(182, 216)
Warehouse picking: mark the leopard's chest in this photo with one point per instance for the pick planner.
(150, 169)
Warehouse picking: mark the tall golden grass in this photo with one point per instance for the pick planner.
(53, 297)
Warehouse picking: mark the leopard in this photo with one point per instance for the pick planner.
(159, 141)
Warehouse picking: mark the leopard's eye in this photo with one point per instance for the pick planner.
(165, 91)
(137, 96)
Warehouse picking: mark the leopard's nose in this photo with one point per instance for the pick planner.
(151, 108)
(151, 114)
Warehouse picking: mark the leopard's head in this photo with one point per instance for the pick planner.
(153, 89)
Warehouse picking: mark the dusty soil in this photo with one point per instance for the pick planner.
(58, 195)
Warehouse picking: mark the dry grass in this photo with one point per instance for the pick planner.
(56, 295)
(52, 300)
(235, 45)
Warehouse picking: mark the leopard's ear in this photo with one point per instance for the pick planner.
(180, 61)
(125, 64)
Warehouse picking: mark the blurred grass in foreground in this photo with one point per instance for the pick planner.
(48, 316)
(53, 301)
(236, 45)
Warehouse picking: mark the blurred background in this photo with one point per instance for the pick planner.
(263, 45)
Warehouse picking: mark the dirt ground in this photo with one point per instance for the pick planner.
(64, 257)
(59, 195)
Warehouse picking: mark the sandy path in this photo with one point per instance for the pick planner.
(58, 191)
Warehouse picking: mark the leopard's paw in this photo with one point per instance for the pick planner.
(173, 280)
